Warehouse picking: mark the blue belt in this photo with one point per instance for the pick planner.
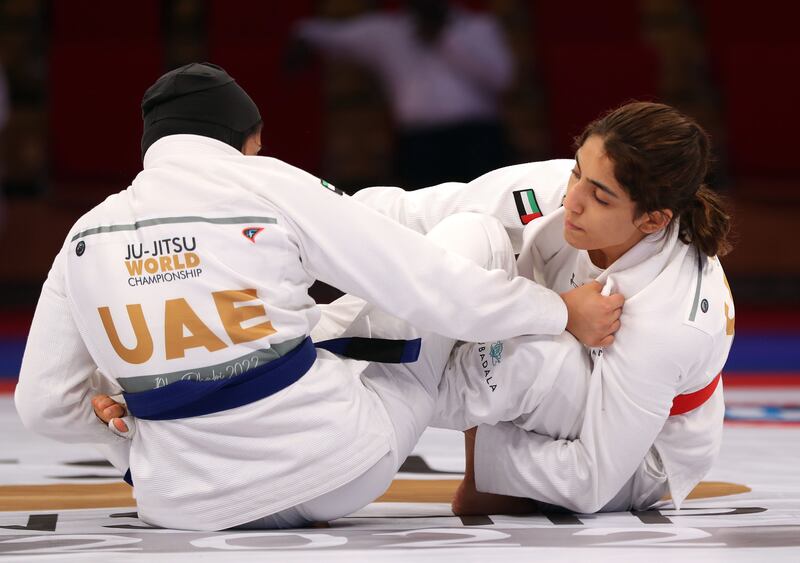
(183, 399)
(378, 350)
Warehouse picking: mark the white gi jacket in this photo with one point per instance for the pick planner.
(586, 426)
(200, 269)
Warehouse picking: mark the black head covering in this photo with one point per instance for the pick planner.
(199, 99)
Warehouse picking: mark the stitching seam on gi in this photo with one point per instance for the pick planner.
(693, 314)
(170, 221)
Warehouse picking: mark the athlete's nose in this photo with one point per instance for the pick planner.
(572, 202)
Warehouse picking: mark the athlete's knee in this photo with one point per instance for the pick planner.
(477, 237)
(501, 251)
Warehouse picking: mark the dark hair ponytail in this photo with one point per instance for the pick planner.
(706, 223)
(661, 158)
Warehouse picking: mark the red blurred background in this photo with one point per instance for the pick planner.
(76, 72)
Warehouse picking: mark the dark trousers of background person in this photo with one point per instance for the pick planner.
(459, 152)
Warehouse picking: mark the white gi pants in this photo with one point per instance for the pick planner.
(407, 391)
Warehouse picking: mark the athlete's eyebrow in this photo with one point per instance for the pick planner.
(603, 187)
(600, 185)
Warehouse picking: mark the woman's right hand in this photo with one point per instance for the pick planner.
(593, 318)
(113, 414)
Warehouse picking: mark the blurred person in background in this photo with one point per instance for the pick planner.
(443, 70)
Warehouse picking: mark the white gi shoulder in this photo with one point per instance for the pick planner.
(515, 195)
(711, 310)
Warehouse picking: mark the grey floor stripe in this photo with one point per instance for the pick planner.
(477, 520)
(38, 523)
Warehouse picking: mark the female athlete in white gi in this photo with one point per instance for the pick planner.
(643, 417)
(199, 272)
(606, 428)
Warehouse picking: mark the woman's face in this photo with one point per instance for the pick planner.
(599, 214)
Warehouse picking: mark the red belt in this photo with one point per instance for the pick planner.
(690, 401)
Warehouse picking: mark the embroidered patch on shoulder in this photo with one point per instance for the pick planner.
(251, 232)
(331, 187)
(527, 206)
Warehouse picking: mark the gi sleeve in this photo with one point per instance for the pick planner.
(349, 246)
(53, 396)
(628, 403)
(486, 383)
(513, 194)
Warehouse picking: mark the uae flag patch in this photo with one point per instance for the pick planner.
(527, 206)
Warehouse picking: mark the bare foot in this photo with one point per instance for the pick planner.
(468, 501)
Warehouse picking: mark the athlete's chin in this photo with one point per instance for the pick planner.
(574, 238)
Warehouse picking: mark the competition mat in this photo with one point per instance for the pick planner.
(62, 502)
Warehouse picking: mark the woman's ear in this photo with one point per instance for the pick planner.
(653, 221)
